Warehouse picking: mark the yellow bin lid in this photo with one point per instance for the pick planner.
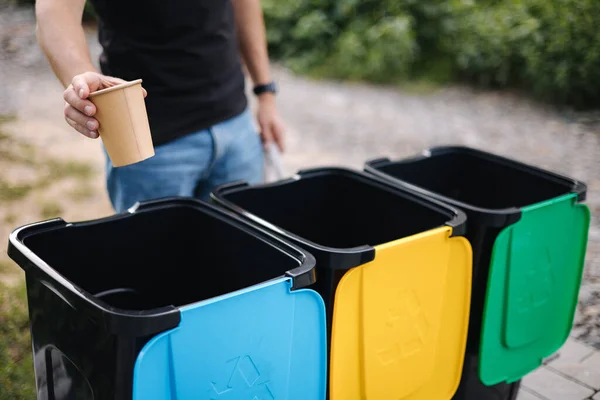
(400, 321)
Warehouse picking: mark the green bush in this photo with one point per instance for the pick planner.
(380, 53)
(551, 48)
(563, 59)
(350, 39)
(89, 13)
(487, 43)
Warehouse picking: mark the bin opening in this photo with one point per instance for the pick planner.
(478, 181)
(337, 210)
(123, 298)
(169, 256)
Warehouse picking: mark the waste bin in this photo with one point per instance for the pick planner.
(174, 299)
(528, 228)
(393, 269)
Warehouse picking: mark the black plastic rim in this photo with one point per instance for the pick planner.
(146, 322)
(492, 217)
(347, 257)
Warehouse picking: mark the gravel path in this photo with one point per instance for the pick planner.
(347, 124)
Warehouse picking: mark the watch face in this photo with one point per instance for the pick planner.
(269, 87)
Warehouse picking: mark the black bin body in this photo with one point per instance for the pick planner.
(98, 291)
(344, 214)
(493, 191)
(360, 227)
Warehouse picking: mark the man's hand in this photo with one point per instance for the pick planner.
(271, 125)
(79, 111)
(253, 45)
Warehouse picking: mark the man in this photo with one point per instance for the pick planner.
(189, 54)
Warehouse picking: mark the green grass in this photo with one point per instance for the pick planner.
(82, 192)
(7, 266)
(7, 118)
(4, 136)
(50, 209)
(68, 169)
(17, 381)
(50, 170)
(13, 150)
(10, 192)
(10, 219)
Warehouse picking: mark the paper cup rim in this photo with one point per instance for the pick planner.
(116, 87)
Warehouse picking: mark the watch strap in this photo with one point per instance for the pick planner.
(264, 88)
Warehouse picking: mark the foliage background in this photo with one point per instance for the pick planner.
(550, 48)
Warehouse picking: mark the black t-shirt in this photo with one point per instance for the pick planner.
(186, 53)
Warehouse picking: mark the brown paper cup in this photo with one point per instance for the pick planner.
(124, 127)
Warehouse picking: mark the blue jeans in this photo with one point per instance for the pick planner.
(191, 166)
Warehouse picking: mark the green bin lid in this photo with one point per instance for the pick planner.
(533, 285)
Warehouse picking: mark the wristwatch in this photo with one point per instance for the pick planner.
(267, 87)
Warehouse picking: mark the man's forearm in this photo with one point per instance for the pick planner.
(61, 37)
(253, 45)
